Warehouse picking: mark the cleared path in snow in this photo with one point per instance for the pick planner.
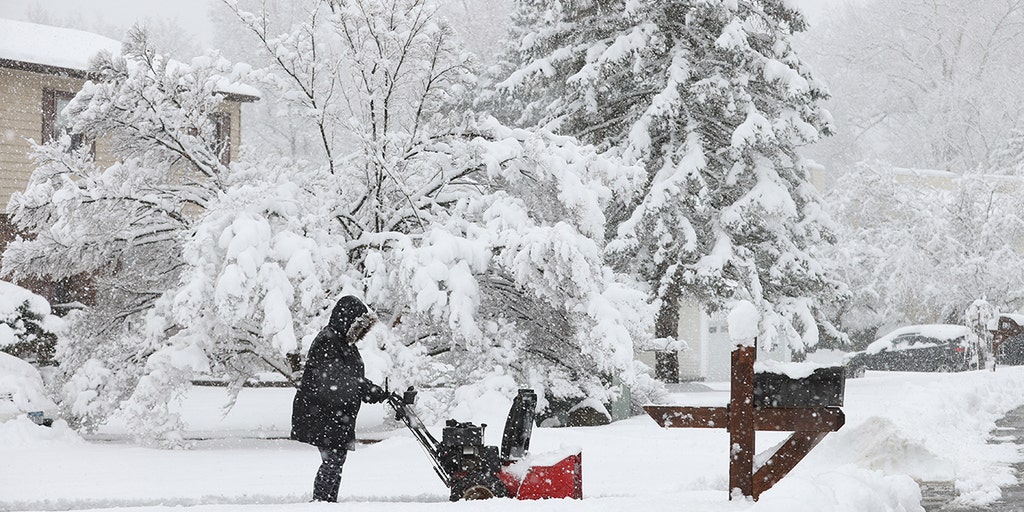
(937, 496)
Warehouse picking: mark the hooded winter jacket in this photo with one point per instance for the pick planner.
(333, 383)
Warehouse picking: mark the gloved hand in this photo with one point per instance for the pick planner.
(376, 394)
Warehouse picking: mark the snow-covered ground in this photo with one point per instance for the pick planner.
(899, 427)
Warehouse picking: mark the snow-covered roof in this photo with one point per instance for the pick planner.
(52, 46)
(908, 171)
(937, 331)
(950, 175)
(66, 51)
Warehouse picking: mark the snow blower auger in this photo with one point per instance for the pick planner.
(472, 470)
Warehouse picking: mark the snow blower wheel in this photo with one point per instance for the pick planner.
(478, 486)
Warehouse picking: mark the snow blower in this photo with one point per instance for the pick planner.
(472, 470)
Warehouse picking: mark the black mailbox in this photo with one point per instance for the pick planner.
(822, 388)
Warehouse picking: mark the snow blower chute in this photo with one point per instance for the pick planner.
(472, 470)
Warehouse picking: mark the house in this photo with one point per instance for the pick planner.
(41, 69)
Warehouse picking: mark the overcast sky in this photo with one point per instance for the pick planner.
(191, 15)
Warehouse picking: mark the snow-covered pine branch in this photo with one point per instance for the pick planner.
(28, 327)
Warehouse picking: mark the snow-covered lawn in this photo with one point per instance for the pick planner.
(899, 427)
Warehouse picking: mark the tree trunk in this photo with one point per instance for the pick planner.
(666, 325)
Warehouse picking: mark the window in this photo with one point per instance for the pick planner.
(222, 134)
(55, 123)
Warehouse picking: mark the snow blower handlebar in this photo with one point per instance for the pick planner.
(404, 412)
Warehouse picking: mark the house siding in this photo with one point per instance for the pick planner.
(717, 347)
(691, 328)
(21, 120)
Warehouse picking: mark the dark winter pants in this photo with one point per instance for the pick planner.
(328, 477)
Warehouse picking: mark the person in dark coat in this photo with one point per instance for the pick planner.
(333, 388)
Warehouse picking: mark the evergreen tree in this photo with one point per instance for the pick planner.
(711, 99)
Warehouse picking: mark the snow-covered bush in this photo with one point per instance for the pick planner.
(28, 329)
(124, 225)
(481, 246)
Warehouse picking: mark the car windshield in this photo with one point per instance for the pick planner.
(915, 341)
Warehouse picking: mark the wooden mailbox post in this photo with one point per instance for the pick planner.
(742, 419)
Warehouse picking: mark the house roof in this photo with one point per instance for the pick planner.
(67, 52)
(52, 47)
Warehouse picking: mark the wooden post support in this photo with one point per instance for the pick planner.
(741, 422)
(808, 424)
(784, 460)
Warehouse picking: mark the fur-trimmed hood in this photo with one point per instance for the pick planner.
(351, 319)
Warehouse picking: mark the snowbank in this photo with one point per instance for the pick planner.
(931, 427)
(24, 384)
(901, 429)
(22, 432)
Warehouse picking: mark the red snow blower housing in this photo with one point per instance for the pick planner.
(472, 470)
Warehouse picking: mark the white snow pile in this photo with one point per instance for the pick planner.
(789, 369)
(931, 428)
(744, 323)
(21, 432)
(878, 443)
(521, 467)
(21, 387)
(901, 429)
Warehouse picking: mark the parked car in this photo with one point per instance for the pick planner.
(919, 348)
(21, 392)
(1008, 338)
